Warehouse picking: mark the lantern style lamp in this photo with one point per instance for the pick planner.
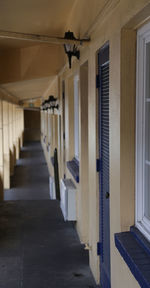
(50, 103)
(46, 104)
(71, 49)
(52, 100)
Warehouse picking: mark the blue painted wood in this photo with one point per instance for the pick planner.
(98, 165)
(98, 81)
(103, 67)
(141, 239)
(99, 248)
(73, 167)
(135, 256)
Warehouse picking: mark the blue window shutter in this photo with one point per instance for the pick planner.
(103, 67)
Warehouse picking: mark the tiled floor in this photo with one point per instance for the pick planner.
(37, 248)
(30, 181)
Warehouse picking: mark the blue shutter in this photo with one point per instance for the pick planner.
(104, 172)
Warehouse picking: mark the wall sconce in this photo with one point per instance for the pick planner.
(44, 105)
(53, 103)
(50, 103)
(71, 49)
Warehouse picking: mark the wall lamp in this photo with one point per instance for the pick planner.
(71, 49)
(44, 106)
(50, 103)
(53, 103)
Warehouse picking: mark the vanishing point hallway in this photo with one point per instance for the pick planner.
(37, 248)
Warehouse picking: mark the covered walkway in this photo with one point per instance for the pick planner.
(37, 248)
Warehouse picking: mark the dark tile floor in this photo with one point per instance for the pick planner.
(30, 181)
(37, 248)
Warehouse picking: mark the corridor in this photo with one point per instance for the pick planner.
(37, 248)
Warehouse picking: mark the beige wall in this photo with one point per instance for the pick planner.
(83, 202)
(117, 24)
(6, 145)
(11, 130)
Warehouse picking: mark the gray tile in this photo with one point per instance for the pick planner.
(37, 248)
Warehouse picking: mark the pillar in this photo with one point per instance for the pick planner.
(1, 151)
(11, 138)
(6, 155)
(17, 132)
(14, 134)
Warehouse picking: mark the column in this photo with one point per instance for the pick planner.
(6, 155)
(1, 151)
(11, 138)
(14, 134)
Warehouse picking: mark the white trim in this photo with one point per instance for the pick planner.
(76, 117)
(143, 37)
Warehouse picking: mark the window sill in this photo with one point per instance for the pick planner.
(73, 167)
(135, 250)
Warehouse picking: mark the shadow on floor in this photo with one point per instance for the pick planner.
(37, 248)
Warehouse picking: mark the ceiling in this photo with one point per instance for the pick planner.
(27, 68)
(30, 89)
(45, 17)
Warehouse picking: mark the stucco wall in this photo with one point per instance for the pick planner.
(11, 140)
(111, 25)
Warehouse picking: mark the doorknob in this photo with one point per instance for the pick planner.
(107, 195)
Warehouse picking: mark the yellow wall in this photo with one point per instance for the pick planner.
(11, 140)
(117, 24)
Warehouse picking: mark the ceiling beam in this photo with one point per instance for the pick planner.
(41, 38)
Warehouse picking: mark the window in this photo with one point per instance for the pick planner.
(76, 117)
(143, 131)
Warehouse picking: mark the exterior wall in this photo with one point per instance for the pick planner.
(83, 203)
(117, 24)
(6, 155)
(50, 128)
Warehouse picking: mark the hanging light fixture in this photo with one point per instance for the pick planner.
(71, 49)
